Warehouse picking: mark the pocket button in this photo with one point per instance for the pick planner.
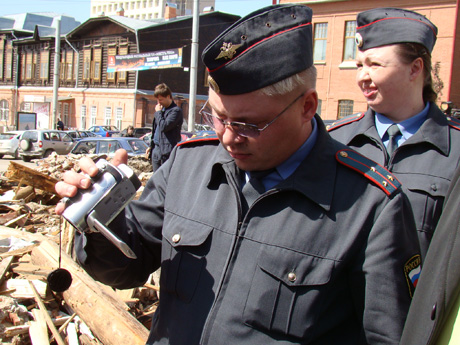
(292, 277)
(176, 238)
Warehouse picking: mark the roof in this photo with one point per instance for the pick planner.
(45, 22)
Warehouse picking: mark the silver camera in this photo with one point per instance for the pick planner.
(92, 209)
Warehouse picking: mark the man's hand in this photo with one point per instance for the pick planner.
(73, 181)
(158, 107)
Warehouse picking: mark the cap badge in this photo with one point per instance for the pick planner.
(228, 50)
(359, 40)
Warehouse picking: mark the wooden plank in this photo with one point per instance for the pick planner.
(23, 329)
(46, 316)
(22, 288)
(92, 302)
(38, 330)
(30, 177)
(4, 267)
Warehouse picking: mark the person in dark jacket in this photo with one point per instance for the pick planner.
(129, 132)
(270, 232)
(166, 127)
(403, 128)
(434, 315)
(60, 125)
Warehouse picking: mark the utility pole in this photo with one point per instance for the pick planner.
(193, 66)
(57, 60)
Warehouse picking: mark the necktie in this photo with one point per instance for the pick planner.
(254, 187)
(392, 131)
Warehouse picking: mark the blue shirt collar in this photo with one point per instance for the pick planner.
(407, 127)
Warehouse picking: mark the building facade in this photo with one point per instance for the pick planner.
(145, 9)
(88, 94)
(334, 27)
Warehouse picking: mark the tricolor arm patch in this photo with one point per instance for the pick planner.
(370, 169)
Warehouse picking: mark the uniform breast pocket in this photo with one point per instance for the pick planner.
(426, 195)
(185, 245)
(287, 292)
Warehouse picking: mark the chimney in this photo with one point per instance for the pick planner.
(170, 11)
(120, 11)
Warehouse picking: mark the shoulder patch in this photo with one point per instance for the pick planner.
(384, 179)
(207, 137)
(454, 122)
(345, 121)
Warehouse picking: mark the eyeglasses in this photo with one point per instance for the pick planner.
(247, 130)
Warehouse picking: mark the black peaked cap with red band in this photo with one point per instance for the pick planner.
(260, 49)
(384, 26)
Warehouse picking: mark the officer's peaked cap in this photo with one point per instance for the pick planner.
(260, 49)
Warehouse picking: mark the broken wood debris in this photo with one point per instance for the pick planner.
(30, 233)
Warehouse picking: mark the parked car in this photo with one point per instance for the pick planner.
(138, 132)
(104, 131)
(9, 144)
(108, 146)
(183, 134)
(40, 143)
(80, 134)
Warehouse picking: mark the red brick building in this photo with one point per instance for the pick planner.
(334, 24)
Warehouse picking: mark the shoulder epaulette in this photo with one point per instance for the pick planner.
(454, 122)
(370, 169)
(207, 137)
(345, 121)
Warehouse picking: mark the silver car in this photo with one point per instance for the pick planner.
(108, 146)
(40, 143)
(9, 144)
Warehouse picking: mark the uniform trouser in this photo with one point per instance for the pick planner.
(158, 159)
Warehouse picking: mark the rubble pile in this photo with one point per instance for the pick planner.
(35, 242)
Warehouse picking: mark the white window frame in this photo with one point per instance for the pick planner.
(83, 116)
(107, 116)
(119, 117)
(4, 110)
(93, 115)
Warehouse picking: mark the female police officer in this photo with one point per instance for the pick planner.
(403, 128)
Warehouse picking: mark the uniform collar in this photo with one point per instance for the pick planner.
(314, 177)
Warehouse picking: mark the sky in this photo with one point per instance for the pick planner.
(80, 9)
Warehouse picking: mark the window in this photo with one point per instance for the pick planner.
(345, 108)
(22, 72)
(29, 65)
(9, 60)
(4, 110)
(65, 113)
(122, 76)
(111, 51)
(93, 115)
(119, 117)
(2, 48)
(86, 63)
(349, 50)
(320, 42)
(62, 67)
(107, 116)
(69, 65)
(97, 61)
(83, 116)
(44, 64)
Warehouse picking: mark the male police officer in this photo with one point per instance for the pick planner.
(280, 234)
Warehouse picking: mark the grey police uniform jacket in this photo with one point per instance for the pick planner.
(320, 259)
(439, 283)
(424, 164)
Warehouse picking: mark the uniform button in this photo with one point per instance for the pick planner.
(434, 187)
(433, 312)
(176, 238)
(292, 277)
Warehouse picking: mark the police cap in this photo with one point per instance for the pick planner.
(260, 49)
(384, 26)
